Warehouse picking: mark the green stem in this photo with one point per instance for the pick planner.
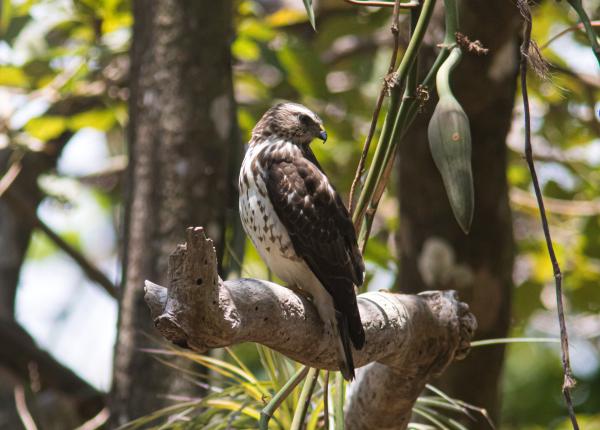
(377, 163)
(276, 373)
(384, 172)
(504, 340)
(442, 79)
(267, 413)
(384, 141)
(451, 21)
(404, 118)
(304, 400)
(589, 29)
(326, 400)
(338, 402)
(427, 83)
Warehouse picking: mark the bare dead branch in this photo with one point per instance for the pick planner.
(36, 368)
(20, 205)
(558, 206)
(475, 47)
(410, 337)
(578, 26)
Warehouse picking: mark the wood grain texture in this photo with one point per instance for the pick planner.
(409, 338)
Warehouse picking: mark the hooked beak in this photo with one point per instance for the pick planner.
(323, 135)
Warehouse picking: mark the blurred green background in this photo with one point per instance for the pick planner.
(56, 49)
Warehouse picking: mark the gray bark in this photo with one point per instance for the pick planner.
(409, 338)
(434, 251)
(183, 137)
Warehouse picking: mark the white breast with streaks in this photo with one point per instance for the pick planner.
(267, 232)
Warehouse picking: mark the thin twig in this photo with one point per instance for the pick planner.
(578, 26)
(577, 5)
(387, 161)
(391, 126)
(97, 421)
(568, 382)
(88, 268)
(572, 208)
(360, 170)
(9, 177)
(22, 410)
(409, 5)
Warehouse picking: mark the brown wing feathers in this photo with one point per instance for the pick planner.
(321, 232)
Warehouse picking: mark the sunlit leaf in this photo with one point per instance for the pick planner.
(5, 14)
(285, 16)
(40, 247)
(256, 29)
(46, 127)
(13, 77)
(305, 71)
(117, 22)
(245, 49)
(100, 119)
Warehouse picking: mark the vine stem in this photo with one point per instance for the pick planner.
(385, 140)
(375, 3)
(365, 152)
(589, 29)
(403, 114)
(390, 151)
(568, 381)
(578, 26)
(304, 399)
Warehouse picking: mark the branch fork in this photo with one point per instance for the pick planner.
(409, 338)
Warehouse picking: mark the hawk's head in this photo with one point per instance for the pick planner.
(289, 121)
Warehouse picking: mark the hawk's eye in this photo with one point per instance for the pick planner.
(305, 119)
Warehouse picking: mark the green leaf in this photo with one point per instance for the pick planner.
(303, 68)
(14, 27)
(310, 12)
(46, 127)
(245, 49)
(40, 247)
(13, 77)
(5, 14)
(100, 119)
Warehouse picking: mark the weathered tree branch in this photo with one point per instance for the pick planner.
(34, 367)
(410, 337)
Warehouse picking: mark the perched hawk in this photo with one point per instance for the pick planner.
(299, 224)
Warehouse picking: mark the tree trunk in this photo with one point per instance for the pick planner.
(434, 251)
(184, 140)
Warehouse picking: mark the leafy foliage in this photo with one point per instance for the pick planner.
(55, 50)
(236, 396)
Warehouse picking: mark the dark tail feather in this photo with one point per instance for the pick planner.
(355, 327)
(346, 362)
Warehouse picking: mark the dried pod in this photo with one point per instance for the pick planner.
(450, 143)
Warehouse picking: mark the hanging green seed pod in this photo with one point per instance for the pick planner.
(450, 143)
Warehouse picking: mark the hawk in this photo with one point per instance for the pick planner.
(299, 224)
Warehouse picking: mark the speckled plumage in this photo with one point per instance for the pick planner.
(298, 223)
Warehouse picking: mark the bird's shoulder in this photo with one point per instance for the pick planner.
(313, 213)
